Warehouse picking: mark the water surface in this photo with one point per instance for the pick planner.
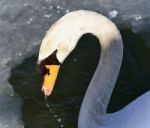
(73, 79)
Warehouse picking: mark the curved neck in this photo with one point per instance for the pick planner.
(98, 94)
(94, 105)
(66, 33)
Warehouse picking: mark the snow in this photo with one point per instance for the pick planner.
(23, 23)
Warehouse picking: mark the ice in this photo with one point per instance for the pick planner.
(23, 24)
(10, 115)
(112, 14)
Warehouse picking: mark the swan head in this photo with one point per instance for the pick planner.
(53, 51)
(61, 39)
(57, 44)
(49, 68)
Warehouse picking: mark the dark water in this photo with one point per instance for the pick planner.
(73, 79)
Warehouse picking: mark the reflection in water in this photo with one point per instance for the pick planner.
(62, 107)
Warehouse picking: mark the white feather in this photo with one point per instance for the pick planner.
(63, 36)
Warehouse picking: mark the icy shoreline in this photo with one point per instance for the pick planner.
(23, 24)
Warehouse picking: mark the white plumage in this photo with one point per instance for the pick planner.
(63, 36)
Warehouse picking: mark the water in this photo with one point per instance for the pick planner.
(62, 107)
(23, 24)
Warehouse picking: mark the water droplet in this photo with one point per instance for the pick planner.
(55, 116)
(58, 120)
(62, 126)
(75, 60)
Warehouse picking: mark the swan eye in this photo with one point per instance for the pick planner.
(44, 71)
(43, 67)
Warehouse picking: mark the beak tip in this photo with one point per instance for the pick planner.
(46, 91)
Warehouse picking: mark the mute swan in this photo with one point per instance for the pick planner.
(59, 42)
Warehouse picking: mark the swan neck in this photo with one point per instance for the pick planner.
(98, 94)
(64, 36)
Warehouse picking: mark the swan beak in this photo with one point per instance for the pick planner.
(50, 78)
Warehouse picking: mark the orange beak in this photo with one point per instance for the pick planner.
(50, 79)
